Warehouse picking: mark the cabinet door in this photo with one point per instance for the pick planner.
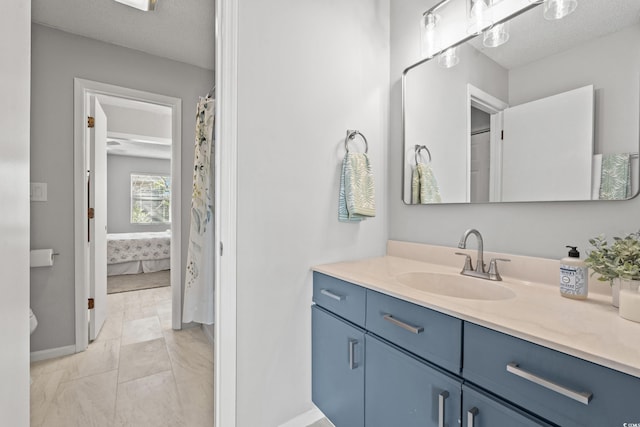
(337, 369)
(403, 391)
(481, 410)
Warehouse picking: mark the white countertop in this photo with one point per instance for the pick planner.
(589, 329)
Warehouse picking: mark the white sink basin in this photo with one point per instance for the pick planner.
(456, 285)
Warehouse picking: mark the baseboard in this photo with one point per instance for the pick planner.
(208, 331)
(303, 420)
(52, 353)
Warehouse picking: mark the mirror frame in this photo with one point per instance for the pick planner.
(441, 4)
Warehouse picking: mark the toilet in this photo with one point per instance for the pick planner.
(33, 321)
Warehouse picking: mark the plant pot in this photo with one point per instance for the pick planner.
(630, 300)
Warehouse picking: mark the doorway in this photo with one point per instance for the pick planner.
(484, 146)
(91, 258)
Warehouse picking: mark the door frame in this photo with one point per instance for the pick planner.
(81, 88)
(483, 101)
(226, 193)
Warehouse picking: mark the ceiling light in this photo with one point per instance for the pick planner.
(478, 16)
(145, 5)
(496, 35)
(449, 57)
(428, 32)
(558, 9)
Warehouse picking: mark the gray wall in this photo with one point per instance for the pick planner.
(15, 21)
(536, 229)
(57, 58)
(612, 65)
(119, 170)
(306, 74)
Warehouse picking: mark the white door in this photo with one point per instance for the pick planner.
(97, 225)
(547, 148)
(480, 161)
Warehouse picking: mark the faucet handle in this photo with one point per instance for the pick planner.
(493, 268)
(467, 262)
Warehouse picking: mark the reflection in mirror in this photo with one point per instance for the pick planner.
(551, 114)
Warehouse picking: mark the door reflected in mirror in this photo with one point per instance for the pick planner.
(551, 115)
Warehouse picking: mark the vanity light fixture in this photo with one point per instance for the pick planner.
(145, 5)
(558, 9)
(496, 35)
(449, 57)
(478, 16)
(428, 43)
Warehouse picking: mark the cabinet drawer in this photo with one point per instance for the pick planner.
(558, 387)
(342, 298)
(433, 336)
(482, 410)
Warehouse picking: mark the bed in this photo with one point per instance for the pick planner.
(133, 253)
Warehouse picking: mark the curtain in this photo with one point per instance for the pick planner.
(199, 278)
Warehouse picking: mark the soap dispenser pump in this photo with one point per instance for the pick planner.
(574, 280)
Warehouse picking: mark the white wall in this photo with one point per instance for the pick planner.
(119, 170)
(57, 58)
(15, 21)
(307, 72)
(536, 229)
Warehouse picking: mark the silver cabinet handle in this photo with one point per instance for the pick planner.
(471, 416)
(331, 295)
(580, 396)
(441, 398)
(408, 327)
(352, 353)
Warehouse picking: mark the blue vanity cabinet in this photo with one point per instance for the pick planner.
(481, 410)
(401, 390)
(380, 361)
(563, 389)
(338, 363)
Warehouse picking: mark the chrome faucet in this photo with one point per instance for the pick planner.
(479, 271)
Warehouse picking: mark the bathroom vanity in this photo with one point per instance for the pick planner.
(387, 352)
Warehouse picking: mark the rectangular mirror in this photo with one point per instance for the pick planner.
(553, 114)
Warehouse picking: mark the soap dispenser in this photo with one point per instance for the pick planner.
(573, 275)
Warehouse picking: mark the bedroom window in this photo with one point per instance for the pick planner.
(150, 199)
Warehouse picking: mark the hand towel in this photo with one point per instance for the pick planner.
(424, 186)
(615, 183)
(357, 191)
(596, 176)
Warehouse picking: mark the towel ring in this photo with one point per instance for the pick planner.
(419, 148)
(351, 135)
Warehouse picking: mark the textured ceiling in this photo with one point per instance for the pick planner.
(533, 37)
(182, 30)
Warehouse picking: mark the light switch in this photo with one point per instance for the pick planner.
(38, 191)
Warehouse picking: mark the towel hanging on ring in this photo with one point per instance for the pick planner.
(356, 200)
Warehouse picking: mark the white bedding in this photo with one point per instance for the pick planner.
(131, 253)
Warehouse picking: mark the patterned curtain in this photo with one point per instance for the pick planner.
(199, 279)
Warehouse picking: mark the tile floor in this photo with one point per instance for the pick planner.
(322, 423)
(138, 373)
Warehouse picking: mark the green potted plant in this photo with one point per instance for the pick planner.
(615, 261)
